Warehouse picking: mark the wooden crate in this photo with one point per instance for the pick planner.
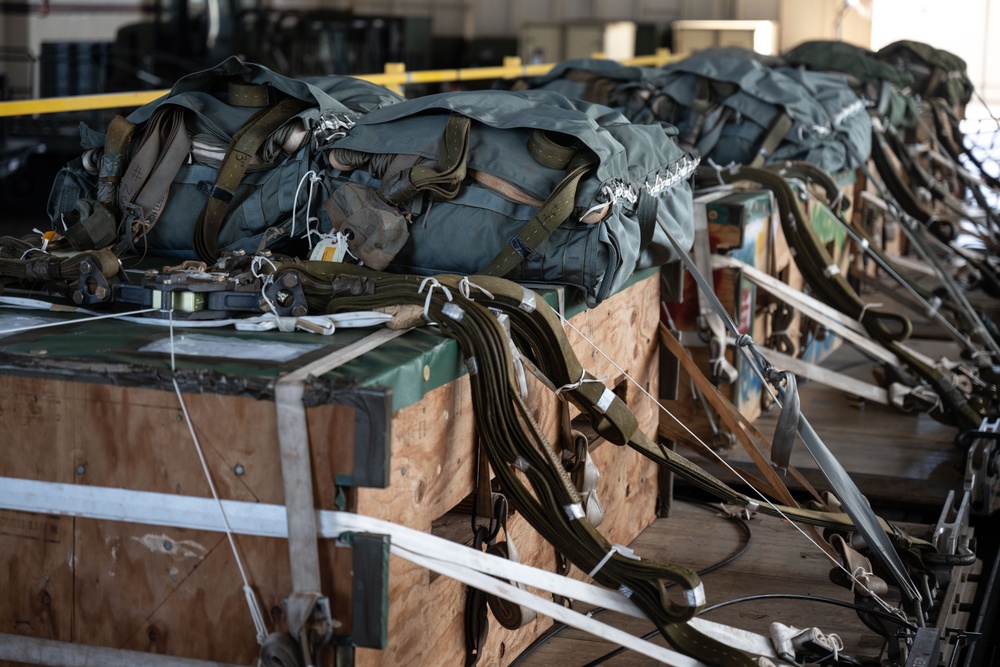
(177, 591)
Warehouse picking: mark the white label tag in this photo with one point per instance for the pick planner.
(331, 248)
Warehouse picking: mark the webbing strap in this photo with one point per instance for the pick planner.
(444, 180)
(854, 502)
(143, 192)
(243, 94)
(556, 209)
(772, 139)
(549, 153)
(97, 230)
(788, 422)
(645, 213)
(241, 151)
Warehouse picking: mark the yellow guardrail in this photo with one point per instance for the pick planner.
(395, 77)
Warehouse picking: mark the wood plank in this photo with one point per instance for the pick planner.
(779, 560)
(895, 458)
(36, 550)
(433, 470)
(120, 585)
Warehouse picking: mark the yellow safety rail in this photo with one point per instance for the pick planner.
(395, 77)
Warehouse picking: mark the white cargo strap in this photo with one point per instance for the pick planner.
(471, 566)
(296, 471)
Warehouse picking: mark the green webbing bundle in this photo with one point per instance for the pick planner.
(529, 470)
(831, 286)
(969, 321)
(525, 464)
(23, 263)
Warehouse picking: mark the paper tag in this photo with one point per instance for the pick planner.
(330, 248)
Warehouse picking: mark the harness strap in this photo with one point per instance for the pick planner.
(772, 139)
(556, 209)
(645, 213)
(143, 192)
(243, 94)
(443, 180)
(241, 151)
(548, 152)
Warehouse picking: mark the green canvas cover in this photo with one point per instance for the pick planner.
(275, 183)
(634, 189)
(936, 72)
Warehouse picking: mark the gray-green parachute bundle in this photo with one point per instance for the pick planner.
(885, 87)
(730, 105)
(221, 163)
(529, 185)
(936, 72)
(732, 108)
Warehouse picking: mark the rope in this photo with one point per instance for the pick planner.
(313, 179)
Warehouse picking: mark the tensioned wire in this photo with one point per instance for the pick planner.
(251, 597)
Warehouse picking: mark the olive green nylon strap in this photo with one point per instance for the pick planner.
(548, 152)
(556, 210)
(241, 151)
(97, 230)
(37, 267)
(444, 180)
(772, 139)
(243, 94)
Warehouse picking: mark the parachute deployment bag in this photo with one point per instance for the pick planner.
(734, 109)
(526, 184)
(218, 164)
